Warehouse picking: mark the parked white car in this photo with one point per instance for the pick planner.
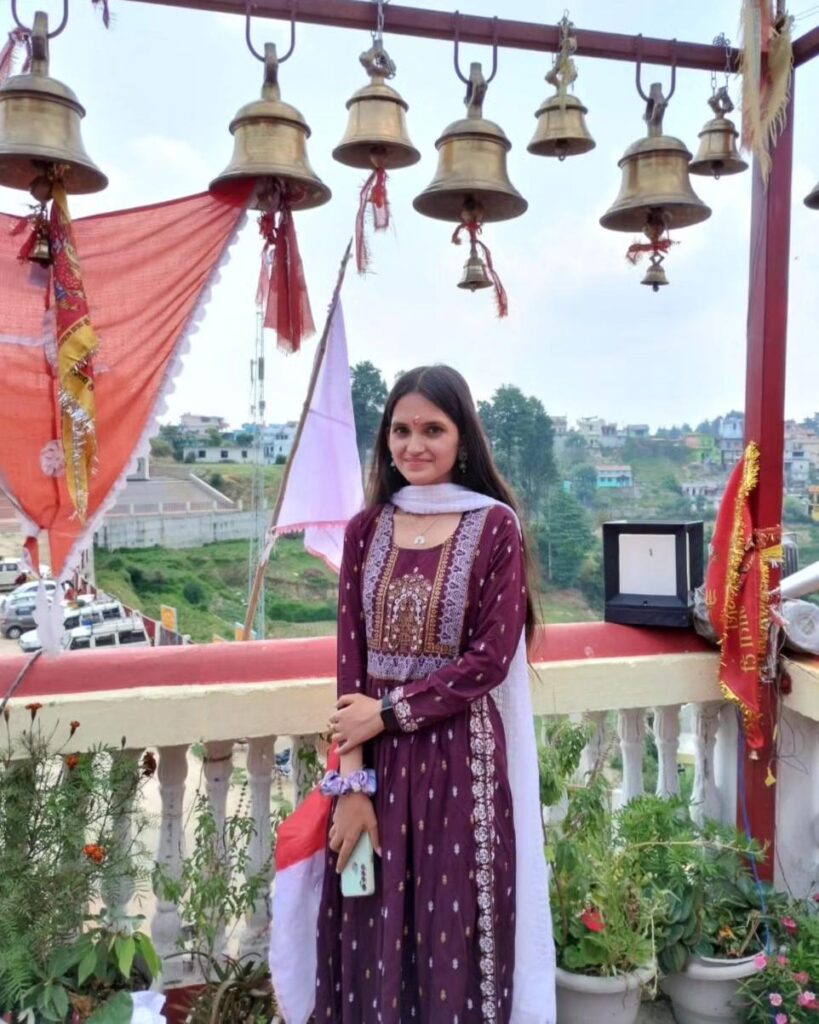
(12, 568)
(128, 631)
(77, 614)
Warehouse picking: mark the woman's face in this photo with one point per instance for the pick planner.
(423, 441)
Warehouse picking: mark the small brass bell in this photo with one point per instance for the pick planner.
(561, 126)
(40, 126)
(41, 253)
(812, 199)
(717, 153)
(655, 184)
(472, 166)
(376, 133)
(655, 275)
(475, 275)
(270, 142)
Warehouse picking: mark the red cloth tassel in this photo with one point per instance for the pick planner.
(636, 250)
(282, 288)
(473, 228)
(373, 195)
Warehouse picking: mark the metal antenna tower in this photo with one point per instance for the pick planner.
(258, 504)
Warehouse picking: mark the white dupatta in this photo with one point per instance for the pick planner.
(533, 999)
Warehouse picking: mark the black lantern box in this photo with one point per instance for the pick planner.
(651, 571)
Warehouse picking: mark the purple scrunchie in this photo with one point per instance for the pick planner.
(360, 781)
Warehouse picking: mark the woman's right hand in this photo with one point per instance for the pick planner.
(353, 815)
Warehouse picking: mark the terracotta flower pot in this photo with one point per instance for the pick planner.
(586, 999)
(705, 992)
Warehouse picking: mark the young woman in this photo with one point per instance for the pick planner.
(434, 613)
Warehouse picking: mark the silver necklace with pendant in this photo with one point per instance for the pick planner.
(420, 538)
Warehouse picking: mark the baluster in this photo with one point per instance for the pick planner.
(260, 762)
(166, 924)
(118, 890)
(631, 728)
(725, 762)
(218, 766)
(705, 799)
(593, 750)
(303, 780)
(666, 731)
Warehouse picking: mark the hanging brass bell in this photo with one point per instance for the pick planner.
(812, 199)
(41, 253)
(475, 275)
(717, 153)
(40, 126)
(376, 128)
(655, 276)
(472, 166)
(561, 128)
(270, 141)
(655, 185)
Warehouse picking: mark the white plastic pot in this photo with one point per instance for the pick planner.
(585, 999)
(706, 991)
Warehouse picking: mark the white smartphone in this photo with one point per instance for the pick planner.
(358, 877)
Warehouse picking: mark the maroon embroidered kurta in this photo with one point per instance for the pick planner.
(438, 628)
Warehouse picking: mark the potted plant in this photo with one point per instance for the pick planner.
(603, 914)
(784, 986)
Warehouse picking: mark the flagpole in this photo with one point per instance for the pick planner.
(258, 578)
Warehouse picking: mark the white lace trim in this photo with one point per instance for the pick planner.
(453, 599)
(374, 567)
(403, 668)
(482, 764)
(403, 713)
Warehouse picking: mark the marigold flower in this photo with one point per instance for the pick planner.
(72, 761)
(775, 999)
(94, 852)
(789, 925)
(74, 727)
(593, 920)
(33, 708)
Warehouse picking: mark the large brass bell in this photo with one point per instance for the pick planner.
(561, 125)
(270, 141)
(717, 153)
(472, 166)
(376, 133)
(655, 186)
(812, 198)
(475, 274)
(40, 126)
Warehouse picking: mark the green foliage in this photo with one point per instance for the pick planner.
(60, 849)
(216, 480)
(559, 751)
(564, 538)
(239, 992)
(369, 394)
(161, 449)
(522, 440)
(584, 482)
(194, 592)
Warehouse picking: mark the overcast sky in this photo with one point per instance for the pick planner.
(161, 86)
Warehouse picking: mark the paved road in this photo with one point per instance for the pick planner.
(8, 648)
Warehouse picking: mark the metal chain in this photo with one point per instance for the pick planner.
(723, 41)
(378, 35)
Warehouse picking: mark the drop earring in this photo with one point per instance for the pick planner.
(462, 461)
(392, 462)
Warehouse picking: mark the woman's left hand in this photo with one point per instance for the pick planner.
(357, 718)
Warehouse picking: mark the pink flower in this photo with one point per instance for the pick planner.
(760, 961)
(789, 925)
(807, 999)
(801, 978)
(775, 999)
(782, 960)
(781, 1018)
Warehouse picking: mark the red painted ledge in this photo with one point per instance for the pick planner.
(309, 658)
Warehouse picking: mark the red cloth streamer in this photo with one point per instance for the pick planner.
(18, 37)
(28, 245)
(287, 305)
(373, 195)
(635, 251)
(473, 228)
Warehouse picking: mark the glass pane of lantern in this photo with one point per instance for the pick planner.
(648, 564)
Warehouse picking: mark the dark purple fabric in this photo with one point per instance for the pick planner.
(435, 944)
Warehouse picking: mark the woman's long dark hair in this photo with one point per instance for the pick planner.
(448, 390)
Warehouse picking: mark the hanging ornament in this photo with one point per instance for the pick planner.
(717, 154)
(270, 150)
(655, 193)
(376, 139)
(471, 186)
(561, 126)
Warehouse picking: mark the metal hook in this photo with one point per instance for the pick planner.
(640, 64)
(250, 46)
(51, 35)
(457, 34)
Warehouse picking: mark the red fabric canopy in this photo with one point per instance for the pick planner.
(146, 273)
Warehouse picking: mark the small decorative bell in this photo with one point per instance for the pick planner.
(717, 154)
(40, 126)
(561, 127)
(270, 140)
(41, 252)
(655, 275)
(475, 275)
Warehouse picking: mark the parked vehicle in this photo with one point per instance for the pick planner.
(17, 617)
(27, 591)
(11, 569)
(128, 631)
(76, 614)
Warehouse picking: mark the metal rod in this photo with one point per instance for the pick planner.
(258, 579)
(520, 35)
(806, 47)
(764, 423)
